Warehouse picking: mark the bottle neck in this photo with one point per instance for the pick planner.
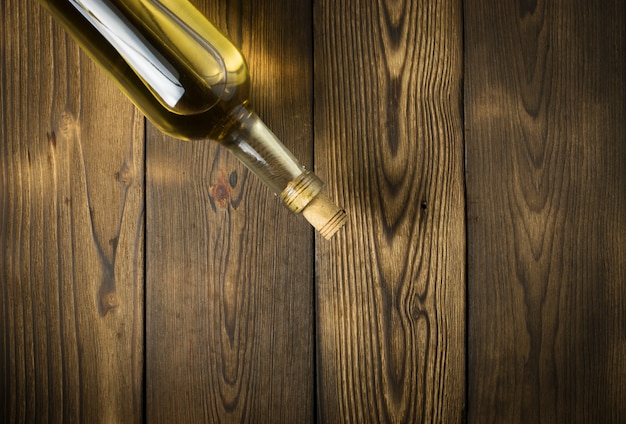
(247, 137)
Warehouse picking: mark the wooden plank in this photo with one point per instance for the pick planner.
(229, 270)
(71, 231)
(546, 177)
(388, 138)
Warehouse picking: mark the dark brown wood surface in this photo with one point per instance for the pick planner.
(479, 147)
(71, 231)
(388, 135)
(545, 121)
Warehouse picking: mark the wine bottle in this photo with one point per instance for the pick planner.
(192, 83)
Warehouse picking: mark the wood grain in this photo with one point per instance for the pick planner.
(229, 270)
(247, 316)
(388, 136)
(546, 176)
(71, 231)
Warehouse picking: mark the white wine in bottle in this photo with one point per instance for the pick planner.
(192, 83)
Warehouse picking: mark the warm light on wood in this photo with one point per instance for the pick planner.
(477, 276)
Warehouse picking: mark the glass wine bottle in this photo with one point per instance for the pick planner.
(192, 83)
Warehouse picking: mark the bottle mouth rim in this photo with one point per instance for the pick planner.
(323, 214)
(304, 195)
(334, 224)
(301, 191)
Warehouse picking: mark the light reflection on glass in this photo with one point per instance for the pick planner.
(147, 62)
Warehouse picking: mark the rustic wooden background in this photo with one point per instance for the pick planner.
(479, 147)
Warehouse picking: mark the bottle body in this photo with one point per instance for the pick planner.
(184, 78)
(188, 79)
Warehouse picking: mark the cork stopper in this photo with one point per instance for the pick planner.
(324, 215)
(304, 195)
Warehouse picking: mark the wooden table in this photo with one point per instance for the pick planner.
(479, 148)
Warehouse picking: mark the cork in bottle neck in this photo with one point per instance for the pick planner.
(304, 195)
